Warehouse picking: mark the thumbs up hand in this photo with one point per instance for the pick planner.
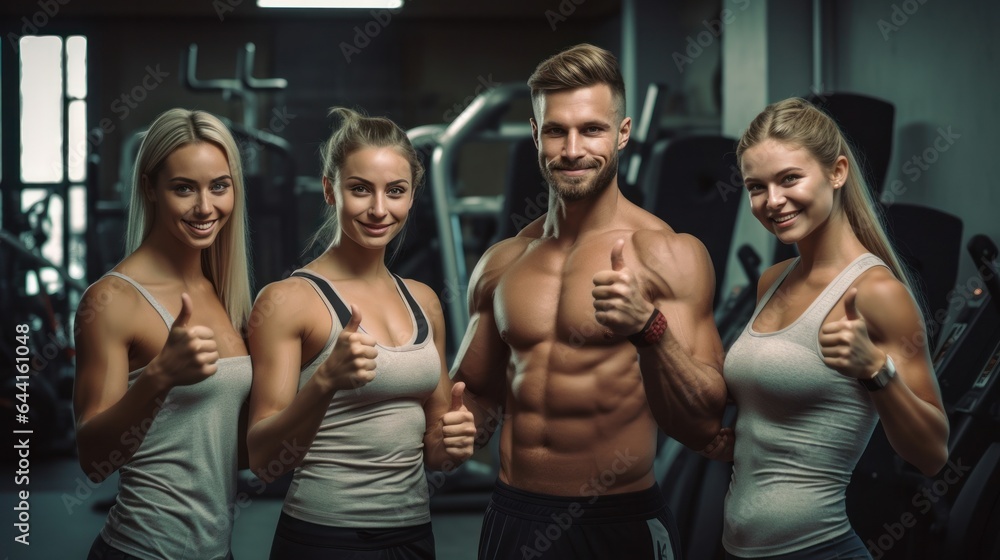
(846, 345)
(351, 364)
(721, 448)
(458, 428)
(619, 304)
(190, 353)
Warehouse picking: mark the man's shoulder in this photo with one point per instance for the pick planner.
(533, 230)
(652, 233)
(666, 252)
(503, 253)
(663, 242)
(494, 262)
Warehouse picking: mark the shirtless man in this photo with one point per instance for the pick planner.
(589, 329)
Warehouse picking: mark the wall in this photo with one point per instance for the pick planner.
(938, 65)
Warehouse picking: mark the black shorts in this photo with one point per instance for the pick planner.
(295, 539)
(522, 525)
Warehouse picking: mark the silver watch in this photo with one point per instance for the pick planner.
(881, 377)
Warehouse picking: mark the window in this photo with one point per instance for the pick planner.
(53, 87)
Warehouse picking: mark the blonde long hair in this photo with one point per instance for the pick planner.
(227, 262)
(797, 122)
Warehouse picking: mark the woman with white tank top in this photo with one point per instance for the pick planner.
(836, 343)
(350, 388)
(162, 368)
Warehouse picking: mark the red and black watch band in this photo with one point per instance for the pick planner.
(652, 332)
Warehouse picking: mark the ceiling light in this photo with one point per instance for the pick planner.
(390, 4)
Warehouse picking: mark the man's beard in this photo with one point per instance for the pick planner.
(571, 189)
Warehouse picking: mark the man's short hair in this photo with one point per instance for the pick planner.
(576, 67)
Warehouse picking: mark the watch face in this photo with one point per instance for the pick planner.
(882, 377)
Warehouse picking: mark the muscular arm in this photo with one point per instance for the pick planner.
(910, 406)
(682, 374)
(284, 419)
(483, 357)
(111, 418)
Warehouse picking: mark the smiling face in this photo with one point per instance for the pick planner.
(192, 193)
(578, 140)
(374, 198)
(791, 194)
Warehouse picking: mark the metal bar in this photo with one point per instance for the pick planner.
(482, 114)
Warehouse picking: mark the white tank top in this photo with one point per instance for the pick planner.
(365, 467)
(800, 430)
(176, 493)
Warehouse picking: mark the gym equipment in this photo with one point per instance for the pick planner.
(692, 181)
(974, 524)
(868, 124)
(645, 133)
(929, 242)
(966, 361)
(695, 489)
(975, 328)
(480, 120)
(268, 163)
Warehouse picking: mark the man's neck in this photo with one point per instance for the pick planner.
(568, 220)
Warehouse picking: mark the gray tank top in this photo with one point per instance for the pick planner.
(365, 468)
(800, 431)
(176, 494)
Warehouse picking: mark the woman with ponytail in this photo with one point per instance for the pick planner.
(835, 344)
(350, 388)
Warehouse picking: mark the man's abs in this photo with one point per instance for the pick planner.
(582, 431)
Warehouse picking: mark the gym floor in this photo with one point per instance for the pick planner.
(64, 523)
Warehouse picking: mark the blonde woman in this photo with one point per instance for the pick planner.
(827, 353)
(162, 368)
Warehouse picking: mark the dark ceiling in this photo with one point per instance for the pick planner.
(438, 9)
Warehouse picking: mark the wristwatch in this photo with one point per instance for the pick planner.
(881, 377)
